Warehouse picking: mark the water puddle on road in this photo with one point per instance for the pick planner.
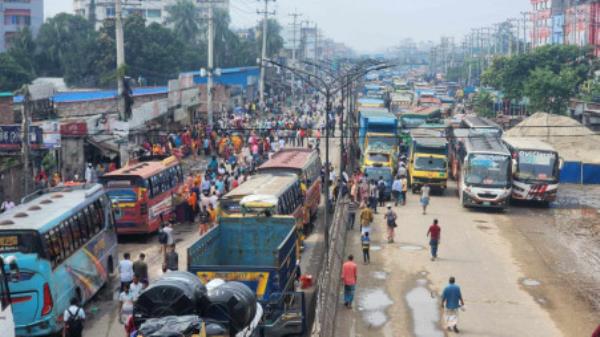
(424, 309)
(380, 275)
(372, 304)
(375, 248)
(531, 282)
(411, 248)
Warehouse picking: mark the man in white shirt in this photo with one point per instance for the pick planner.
(7, 205)
(135, 287)
(125, 270)
(73, 318)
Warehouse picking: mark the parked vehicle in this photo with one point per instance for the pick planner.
(65, 245)
(428, 160)
(7, 321)
(260, 252)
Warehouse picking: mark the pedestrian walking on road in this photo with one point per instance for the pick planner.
(140, 268)
(381, 187)
(126, 299)
(404, 189)
(172, 260)
(390, 217)
(366, 218)
(365, 241)
(425, 197)
(165, 237)
(596, 332)
(73, 317)
(434, 234)
(397, 190)
(373, 194)
(451, 301)
(125, 270)
(349, 277)
(352, 206)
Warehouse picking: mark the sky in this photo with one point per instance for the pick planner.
(372, 25)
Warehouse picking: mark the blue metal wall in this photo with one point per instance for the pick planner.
(580, 173)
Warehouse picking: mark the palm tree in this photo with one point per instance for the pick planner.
(184, 19)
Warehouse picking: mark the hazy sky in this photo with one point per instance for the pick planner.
(371, 25)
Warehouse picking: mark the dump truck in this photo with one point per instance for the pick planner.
(260, 252)
(428, 160)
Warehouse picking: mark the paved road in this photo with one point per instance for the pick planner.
(398, 293)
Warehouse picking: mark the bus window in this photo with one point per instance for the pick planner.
(83, 226)
(66, 238)
(77, 239)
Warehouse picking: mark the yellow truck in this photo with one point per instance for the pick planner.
(428, 161)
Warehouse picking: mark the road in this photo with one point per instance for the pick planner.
(510, 285)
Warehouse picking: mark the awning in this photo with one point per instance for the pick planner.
(107, 144)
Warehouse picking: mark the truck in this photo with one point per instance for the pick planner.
(262, 253)
(378, 140)
(428, 160)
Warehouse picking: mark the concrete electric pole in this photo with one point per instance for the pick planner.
(119, 38)
(266, 13)
(209, 82)
(295, 15)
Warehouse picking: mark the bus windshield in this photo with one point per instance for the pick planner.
(430, 164)
(379, 157)
(537, 165)
(122, 195)
(20, 241)
(412, 122)
(488, 170)
(381, 141)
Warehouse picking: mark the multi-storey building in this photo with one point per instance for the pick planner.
(152, 10)
(18, 14)
(582, 20)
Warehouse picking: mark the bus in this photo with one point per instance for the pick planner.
(65, 247)
(7, 322)
(537, 169)
(276, 194)
(306, 165)
(144, 193)
(481, 125)
(485, 177)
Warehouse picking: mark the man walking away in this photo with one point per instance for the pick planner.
(140, 268)
(425, 197)
(366, 217)
(434, 234)
(352, 206)
(73, 318)
(390, 217)
(349, 276)
(451, 301)
(125, 270)
(404, 189)
(373, 193)
(397, 190)
(172, 260)
(381, 191)
(366, 246)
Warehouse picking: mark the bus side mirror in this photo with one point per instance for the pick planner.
(561, 163)
(514, 166)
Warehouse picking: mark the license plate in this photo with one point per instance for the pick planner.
(486, 203)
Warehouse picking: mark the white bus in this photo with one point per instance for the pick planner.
(7, 323)
(536, 169)
(486, 173)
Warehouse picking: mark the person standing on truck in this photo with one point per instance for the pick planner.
(425, 197)
(434, 234)
(349, 277)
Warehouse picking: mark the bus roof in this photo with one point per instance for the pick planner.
(479, 122)
(48, 208)
(144, 169)
(265, 184)
(290, 158)
(522, 143)
(486, 144)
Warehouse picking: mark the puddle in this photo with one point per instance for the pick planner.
(531, 282)
(480, 221)
(541, 300)
(375, 247)
(484, 228)
(373, 303)
(424, 311)
(380, 275)
(411, 248)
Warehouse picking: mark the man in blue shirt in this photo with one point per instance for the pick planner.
(451, 301)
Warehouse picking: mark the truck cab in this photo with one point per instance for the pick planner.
(428, 161)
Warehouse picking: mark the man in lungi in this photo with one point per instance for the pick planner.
(451, 301)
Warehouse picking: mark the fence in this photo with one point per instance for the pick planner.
(328, 284)
(574, 172)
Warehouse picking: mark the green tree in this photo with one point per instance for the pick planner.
(484, 104)
(274, 39)
(22, 50)
(12, 74)
(184, 18)
(549, 91)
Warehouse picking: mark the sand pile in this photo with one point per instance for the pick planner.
(572, 140)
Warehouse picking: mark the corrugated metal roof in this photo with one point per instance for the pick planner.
(6, 94)
(293, 158)
(82, 96)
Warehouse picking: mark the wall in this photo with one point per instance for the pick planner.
(6, 110)
(72, 157)
(11, 179)
(90, 108)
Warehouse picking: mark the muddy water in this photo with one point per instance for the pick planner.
(411, 248)
(372, 303)
(424, 309)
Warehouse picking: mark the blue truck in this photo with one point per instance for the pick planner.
(262, 253)
(377, 121)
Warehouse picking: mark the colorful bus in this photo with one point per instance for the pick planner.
(306, 165)
(65, 247)
(144, 193)
(275, 194)
(537, 169)
(7, 322)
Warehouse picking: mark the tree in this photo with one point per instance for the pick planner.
(22, 50)
(549, 91)
(274, 39)
(184, 18)
(12, 74)
(484, 104)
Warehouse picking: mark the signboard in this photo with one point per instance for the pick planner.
(51, 135)
(10, 137)
(74, 129)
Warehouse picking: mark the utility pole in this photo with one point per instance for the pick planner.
(120, 55)
(209, 81)
(264, 51)
(25, 146)
(295, 15)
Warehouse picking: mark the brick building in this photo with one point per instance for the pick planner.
(18, 14)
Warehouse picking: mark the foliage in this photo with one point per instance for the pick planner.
(184, 19)
(22, 50)
(12, 74)
(549, 91)
(274, 39)
(484, 104)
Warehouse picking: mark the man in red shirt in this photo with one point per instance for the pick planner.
(349, 275)
(596, 332)
(434, 233)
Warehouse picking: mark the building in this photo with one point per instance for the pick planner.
(582, 20)
(541, 18)
(152, 11)
(18, 14)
